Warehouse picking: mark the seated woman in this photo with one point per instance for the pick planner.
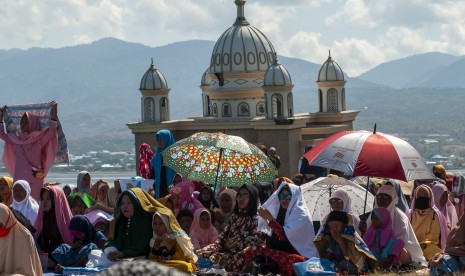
(228, 251)
(170, 245)
(80, 203)
(202, 232)
(101, 221)
(83, 182)
(85, 239)
(429, 224)
(23, 201)
(288, 228)
(227, 200)
(185, 218)
(69, 189)
(387, 198)
(133, 225)
(207, 198)
(341, 244)
(381, 240)
(402, 202)
(52, 223)
(6, 190)
(182, 195)
(452, 260)
(104, 197)
(341, 201)
(19, 254)
(443, 203)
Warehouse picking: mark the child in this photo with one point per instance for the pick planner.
(170, 245)
(381, 240)
(339, 243)
(202, 232)
(185, 218)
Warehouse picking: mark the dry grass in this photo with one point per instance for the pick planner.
(413, 273)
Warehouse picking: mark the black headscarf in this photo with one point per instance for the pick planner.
(207, 204)
(253, 201)
(82, 224)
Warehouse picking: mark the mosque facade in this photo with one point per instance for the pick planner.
(247, 92)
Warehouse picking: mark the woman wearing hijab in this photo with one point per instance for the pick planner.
(202, 231)
(207, 198)
(228, 250)
(184, 192)
(387, 198)
(227, 201)
(85, 239)
(23, 201)
(381, 240)
(104, 196)
(440, 172)
(80, 203)
(145, 166)
(288, 228)
(341, 244)
(18, 254)
(450, 262)
(429, 224)
(52, 223)
(341, 201)
(69, 189)
(163, 175)
(170, 245)
(402, 202)
(133, 226)
(442, 202)
(83, 182)
(31, 154)
(6, 190)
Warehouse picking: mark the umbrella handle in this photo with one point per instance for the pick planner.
(366, 197)
(218, 169)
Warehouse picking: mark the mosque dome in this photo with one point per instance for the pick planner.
(330, 71)
(206, 80)
(242, 48)
(277, 75)
(153, 79)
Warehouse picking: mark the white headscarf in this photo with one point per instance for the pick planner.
(347, 205)
(298, 224)
(80, 188)
(29, 206)
(401, 225)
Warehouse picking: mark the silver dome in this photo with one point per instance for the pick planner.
(330, 71)
(153, 79)
(277, 75)
(242, 48)
(206, 80)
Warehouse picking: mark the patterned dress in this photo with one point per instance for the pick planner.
(229, 250)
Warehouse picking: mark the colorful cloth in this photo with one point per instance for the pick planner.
(60, 214)
(8, 198)
(402, 227)
(163, 175)
(202, 237)
(382, 241)
(298, 225)
(86, 198)
(285, 260)
(448, 210)
(18, 254)
(145, 168)
(28, 206)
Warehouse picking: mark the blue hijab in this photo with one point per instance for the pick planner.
(157, 160)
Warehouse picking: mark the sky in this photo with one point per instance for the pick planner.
(360, 33)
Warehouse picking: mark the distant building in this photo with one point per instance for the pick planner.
(247, 92)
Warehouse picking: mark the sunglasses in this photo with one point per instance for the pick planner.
(283, 196)
(383, 196)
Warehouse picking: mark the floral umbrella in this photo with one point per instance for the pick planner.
(317, 193)
(225, 160)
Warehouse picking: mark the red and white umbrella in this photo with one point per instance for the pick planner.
(364, 153)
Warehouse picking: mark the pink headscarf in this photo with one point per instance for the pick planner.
(202, 237)
(386, 230)
(188, 201)
(145, 166)
(62, 212)
(448, 210)
(35, 134)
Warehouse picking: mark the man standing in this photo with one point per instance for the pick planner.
(275, 159)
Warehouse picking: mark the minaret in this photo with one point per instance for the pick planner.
(331, 90)
(278, 92)
(204, 86)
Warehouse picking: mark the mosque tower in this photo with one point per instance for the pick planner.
(204, 86)
(331, 91)
(278, 92)
(155, 100)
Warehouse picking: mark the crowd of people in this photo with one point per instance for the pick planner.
(181, 223)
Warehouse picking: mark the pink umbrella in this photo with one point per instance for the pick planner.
(365, 153)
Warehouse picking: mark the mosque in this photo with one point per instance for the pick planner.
(246, 92)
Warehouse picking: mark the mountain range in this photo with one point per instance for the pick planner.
(96, 86)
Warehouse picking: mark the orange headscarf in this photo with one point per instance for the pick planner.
(8, 198)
